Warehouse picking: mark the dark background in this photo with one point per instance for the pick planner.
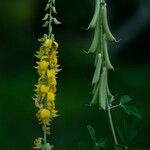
(20, 26)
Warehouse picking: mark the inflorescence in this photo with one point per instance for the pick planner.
(47, 68)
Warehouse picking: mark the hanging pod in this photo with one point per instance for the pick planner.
(99, 47)
(102, 89)
(107, 31)
(96, 15)
(106, 56)
(95, 41)
(97, 70)
(95, 96)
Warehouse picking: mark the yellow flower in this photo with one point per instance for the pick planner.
(43, 116)
(53, 57)
(52, 81)
(52, 89)
(51, 73)
(54, 113)
(55, 45)
(48, 43)
(42, 39)
(50, 105)
(43, 65)
(50, 96)
(44, 89)
(44, 57)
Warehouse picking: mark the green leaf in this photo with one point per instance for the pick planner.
(131, 110)
(130, 127)
(92, 133)
(125, 99)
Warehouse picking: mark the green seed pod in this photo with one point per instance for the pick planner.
(53, 2)
(107, 31)
(106, 56)
(45, 24)
(46, 17)
(95, 41)
(95, 96)
(95, 16)
(54, 10)
(47, 7)
(56, 21)
(102, 89)
(97, 70)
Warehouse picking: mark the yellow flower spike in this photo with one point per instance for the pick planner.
(50, 96)
(44, 89)
(48, 43)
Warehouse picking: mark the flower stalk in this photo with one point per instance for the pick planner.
(102, 34)
(47, 68)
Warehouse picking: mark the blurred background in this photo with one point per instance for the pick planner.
(20, 26)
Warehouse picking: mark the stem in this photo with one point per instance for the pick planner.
(45, 135)
(112, 126)
(50, 19)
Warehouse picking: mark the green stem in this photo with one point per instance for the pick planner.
(50, 19)
(112, 126)
(45, 135)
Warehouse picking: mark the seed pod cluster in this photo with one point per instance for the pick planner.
(102, 35)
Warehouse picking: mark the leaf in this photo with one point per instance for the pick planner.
(130, 126)
(97, 70)
(125, 99)
(131, 110)
(92, 133)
